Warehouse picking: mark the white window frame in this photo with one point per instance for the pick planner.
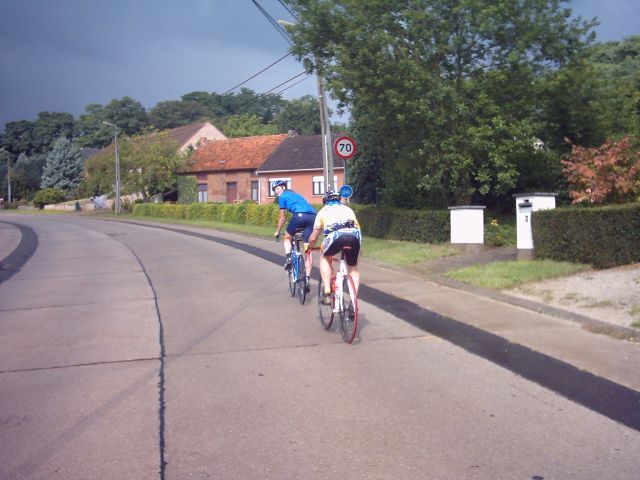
(318, 181)
(271, 180)
(203, 193)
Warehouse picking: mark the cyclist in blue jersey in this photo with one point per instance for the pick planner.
(304, 215)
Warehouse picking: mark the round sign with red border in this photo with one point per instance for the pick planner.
(344, 147)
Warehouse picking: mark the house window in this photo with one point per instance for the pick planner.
(271, 180)
(254, 191)
(318, 184)
(203, 195)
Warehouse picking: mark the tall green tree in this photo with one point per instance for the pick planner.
(302, 115)
(147, 166)
(245, 125)
(176, 113)
(63, 169)
(128, 114)
(38, 136)
(26, 174)
(450, 87)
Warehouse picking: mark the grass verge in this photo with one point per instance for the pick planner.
(395, 252)
(503, 275)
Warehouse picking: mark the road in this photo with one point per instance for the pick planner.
(142, 353)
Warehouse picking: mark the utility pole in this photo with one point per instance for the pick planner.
(115, 142)
(8, 173)
(325, 128)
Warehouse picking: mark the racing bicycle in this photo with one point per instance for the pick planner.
(297, 272)
(344, 301)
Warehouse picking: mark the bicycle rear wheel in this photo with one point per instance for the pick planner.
(349, 310)
(325, 311)
(302, 292)
(292, 280)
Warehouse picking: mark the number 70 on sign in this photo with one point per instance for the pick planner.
(344, 147)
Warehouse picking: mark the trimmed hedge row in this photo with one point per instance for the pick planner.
(425, 226)
(603, 236)
(243, 213)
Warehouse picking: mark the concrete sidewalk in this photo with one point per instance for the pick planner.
(551, 331)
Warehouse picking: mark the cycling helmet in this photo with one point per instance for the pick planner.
(279, 183)
(330, 197)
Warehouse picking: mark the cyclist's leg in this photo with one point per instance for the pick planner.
(351, 257)
(355, 275)
(326, 270)
(308, 228)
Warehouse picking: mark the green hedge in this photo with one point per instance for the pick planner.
(425, 226)
(248, 213)
(601, 236)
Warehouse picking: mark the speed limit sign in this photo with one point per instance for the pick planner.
(344, 147)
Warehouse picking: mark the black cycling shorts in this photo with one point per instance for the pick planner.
(350, 255)
(302, 220)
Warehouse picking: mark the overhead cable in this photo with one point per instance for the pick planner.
(286, 7)
(283, 83)
(254, 76)
(273, 22)
(293, 85)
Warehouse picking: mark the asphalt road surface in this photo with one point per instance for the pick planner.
(129, 352)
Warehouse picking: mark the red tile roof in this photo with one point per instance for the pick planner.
(244, 153)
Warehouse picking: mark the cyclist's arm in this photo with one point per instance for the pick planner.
(281, 220)
(314, 237)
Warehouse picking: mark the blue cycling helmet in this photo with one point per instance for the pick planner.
(331, 197)
(279, 183)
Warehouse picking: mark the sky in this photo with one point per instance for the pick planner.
(62, 55)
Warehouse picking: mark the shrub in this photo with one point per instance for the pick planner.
(48, 196)
(601, 236)
(425, 226)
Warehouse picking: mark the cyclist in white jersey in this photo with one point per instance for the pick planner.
(341, 229)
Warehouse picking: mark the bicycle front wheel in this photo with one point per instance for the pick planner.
(302, 291)
(325, 311)
(349, 310)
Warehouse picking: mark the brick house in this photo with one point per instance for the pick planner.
(193, 135)
(226, 169)
(298, 160)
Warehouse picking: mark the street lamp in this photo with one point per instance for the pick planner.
(325, 128)
(115, 142)
(8, 173)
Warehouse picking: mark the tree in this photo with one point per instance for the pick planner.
(606, 174)
(147, 165)
(245, 126)
(301, 115)
(450, 87)
(63, 169)
(128, 114)
(26, 173)
(175, 113)
(618, 65)
(37, 136)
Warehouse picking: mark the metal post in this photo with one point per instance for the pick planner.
(325, 128)
(115, 142)
(8, 173)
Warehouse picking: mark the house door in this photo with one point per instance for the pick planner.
(232, 192)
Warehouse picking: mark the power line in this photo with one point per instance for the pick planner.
(273, 22)
(292, 85)
(283, 83)
(286, 7)
(253, 76)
